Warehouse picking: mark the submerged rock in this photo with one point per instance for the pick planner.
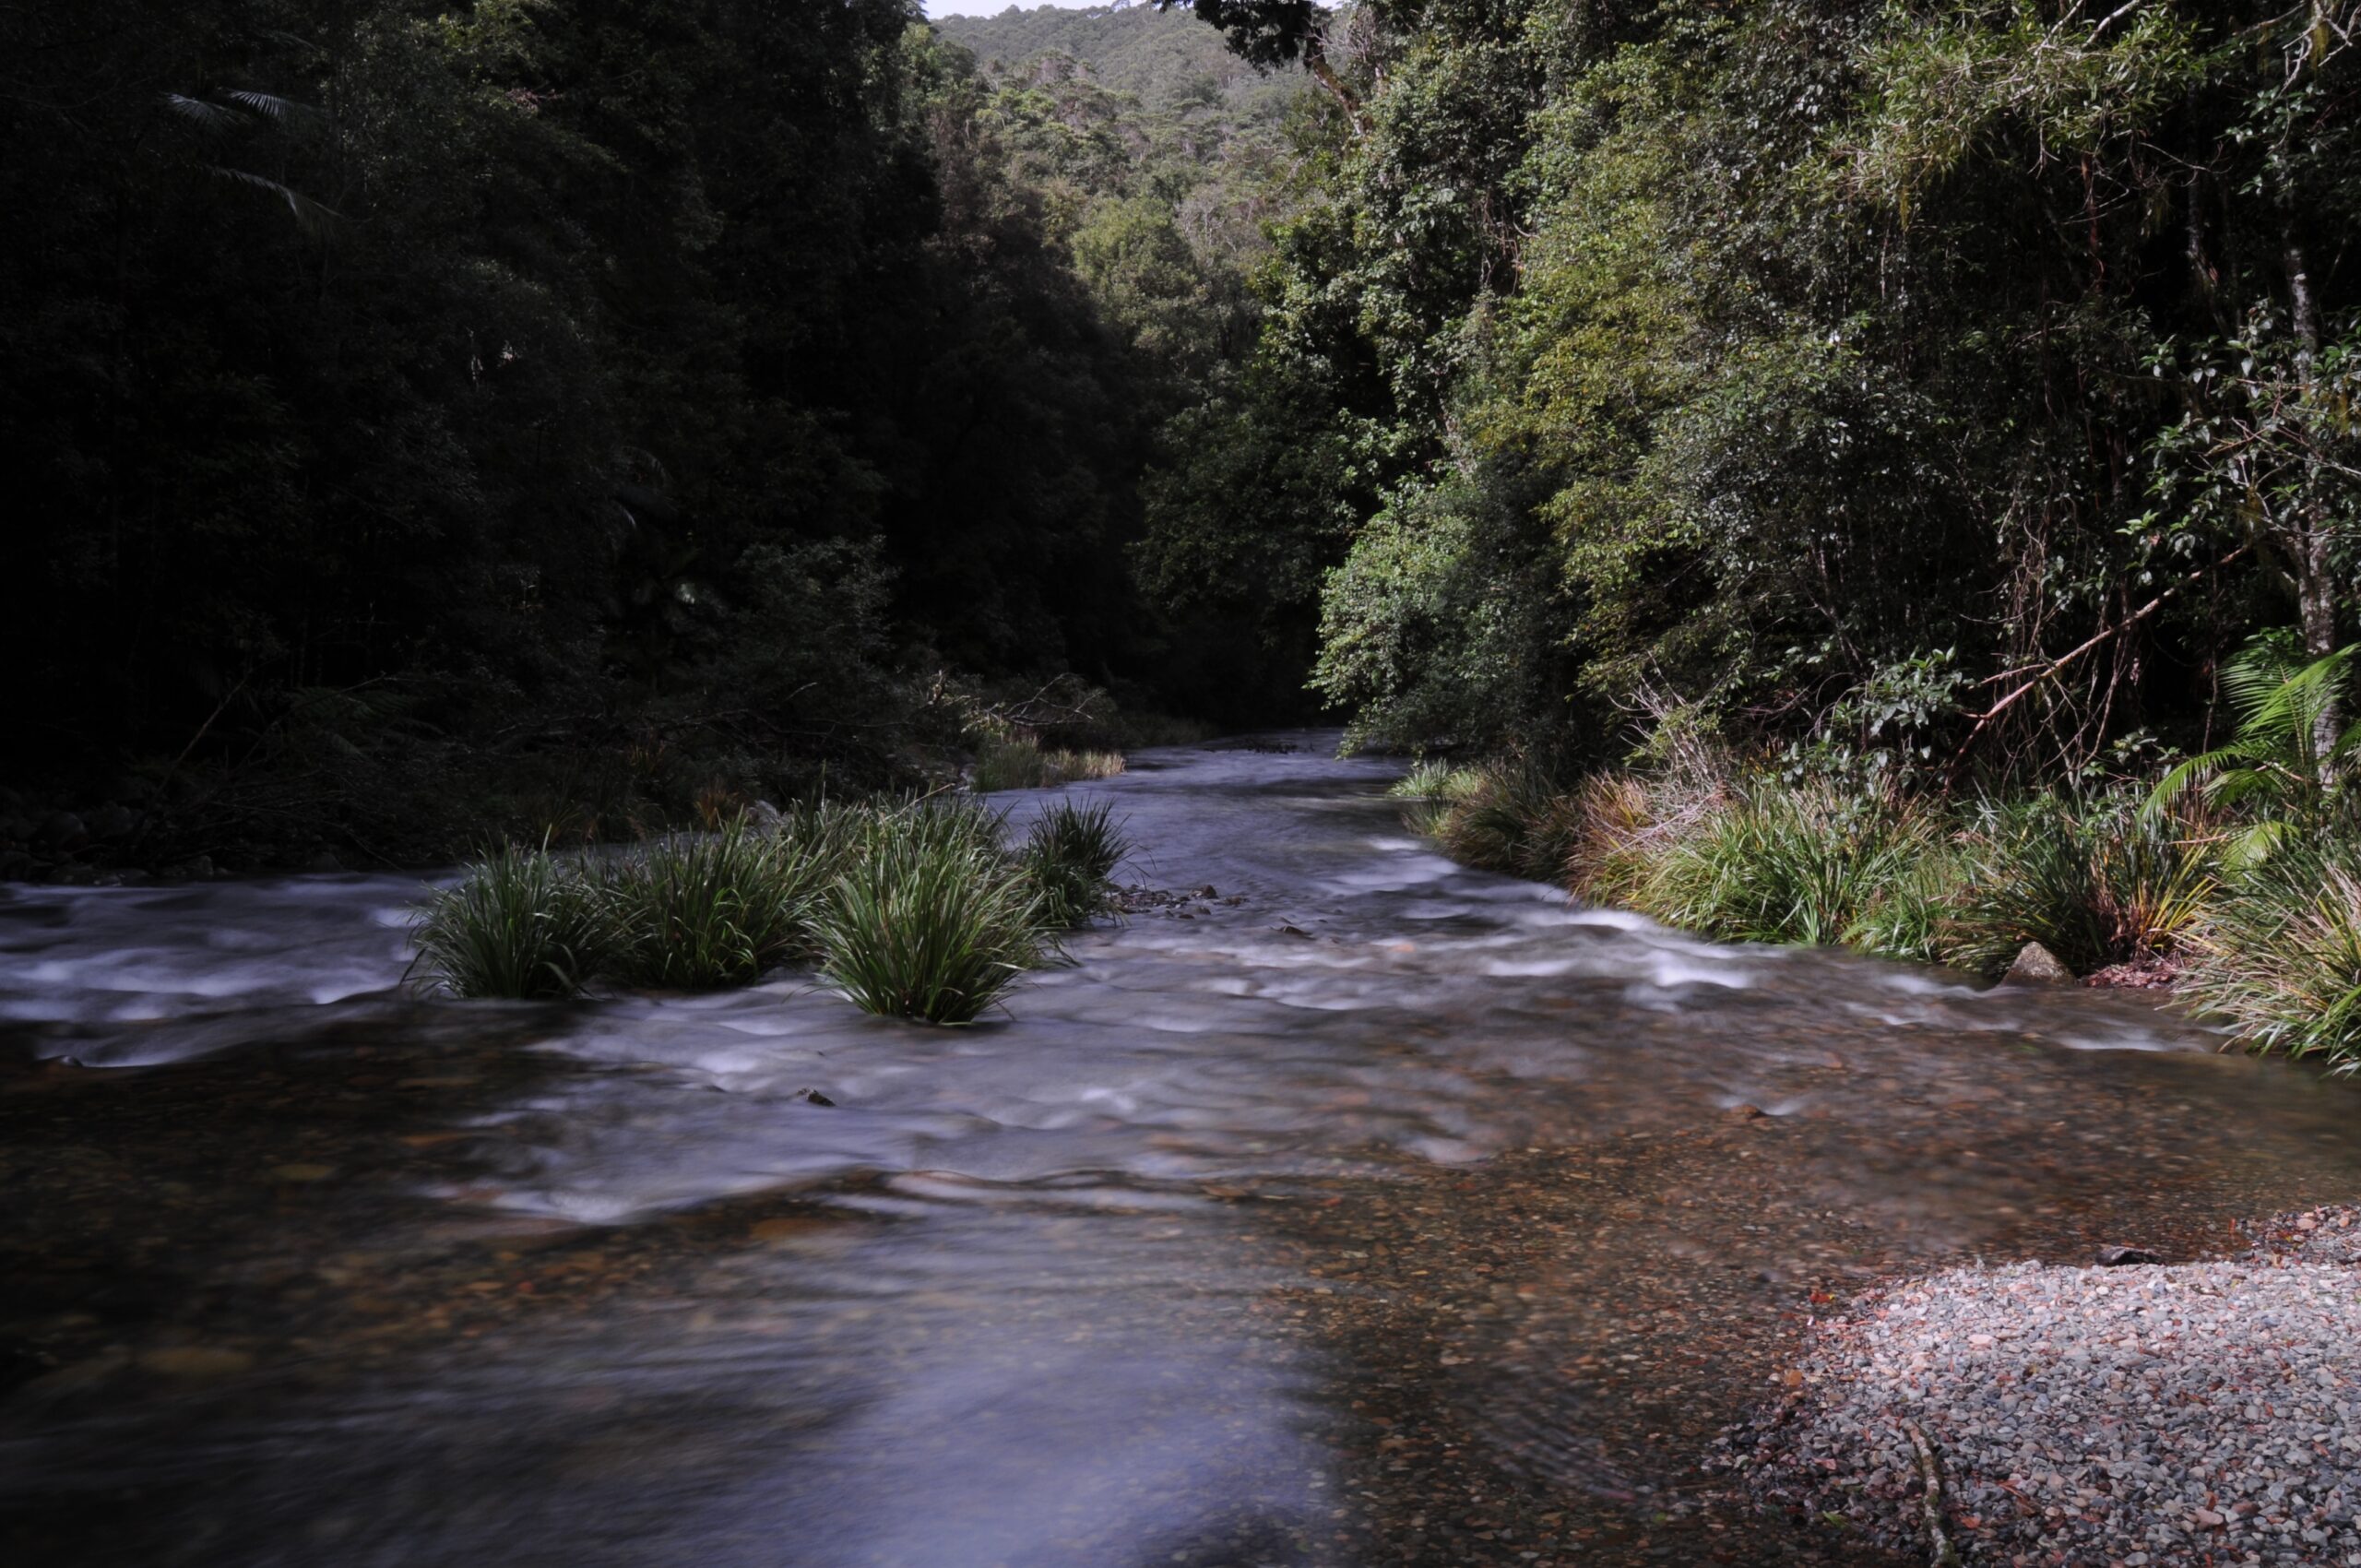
(2037, 965)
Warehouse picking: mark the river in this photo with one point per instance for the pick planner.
(1364, 1210)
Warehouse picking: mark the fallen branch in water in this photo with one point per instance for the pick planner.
(1941, 1553)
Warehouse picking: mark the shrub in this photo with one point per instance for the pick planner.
(520, 924)
(1070, 854)
(2280, 957)
(925, 925)
(694, 911)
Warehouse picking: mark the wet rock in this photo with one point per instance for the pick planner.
(764, 817)
(814, 1096)
(2126, 1257)
(113, 822)
(61, 831)
(2037, 965)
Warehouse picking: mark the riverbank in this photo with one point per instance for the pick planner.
(2146, 1415)
(2249, 919)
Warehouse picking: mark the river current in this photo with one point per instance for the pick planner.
(1358, 1208)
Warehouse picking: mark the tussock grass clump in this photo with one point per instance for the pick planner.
(695, 911)
(522, 923)
(1071, 855)
(2279, 957)
(1505, 815)
(924, 924)
(1805, 864)
(2097, 885)
(1022, 764)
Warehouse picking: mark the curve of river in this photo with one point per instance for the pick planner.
(1369, 1210)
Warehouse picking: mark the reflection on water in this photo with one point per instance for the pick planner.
(1365, 1210)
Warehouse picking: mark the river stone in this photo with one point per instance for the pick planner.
(2037, 965)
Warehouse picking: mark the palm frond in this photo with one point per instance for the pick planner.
(310, 216)
(209, 117)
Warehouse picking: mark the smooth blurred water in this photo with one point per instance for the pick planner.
(1035, 1293)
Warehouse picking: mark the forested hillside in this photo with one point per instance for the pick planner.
(674, 394)
(1962, 382)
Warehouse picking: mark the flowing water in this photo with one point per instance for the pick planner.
(1363, 1209)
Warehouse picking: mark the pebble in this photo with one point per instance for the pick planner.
(2190, 1414)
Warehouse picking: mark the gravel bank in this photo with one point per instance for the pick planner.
(2196, 1414)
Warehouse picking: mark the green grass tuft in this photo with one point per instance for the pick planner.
(926, 924)
(1071, 855)
(521, 923)
(2279, 957)
(695, 911)
(1024, 765)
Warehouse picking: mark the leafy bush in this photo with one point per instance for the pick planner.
(925, 925)
(2280, 957)
(520, 924)
(1071, 854)
(698, 910)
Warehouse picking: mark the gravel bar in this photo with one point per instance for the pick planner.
(2204, 1413)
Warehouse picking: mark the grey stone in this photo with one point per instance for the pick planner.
(2037, 965)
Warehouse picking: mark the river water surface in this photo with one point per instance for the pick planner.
(1363, 1209)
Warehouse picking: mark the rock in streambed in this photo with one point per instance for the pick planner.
(2205, 1413)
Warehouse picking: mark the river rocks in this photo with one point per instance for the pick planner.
(61, 831)
(2037, 965)
(764, 817)
(2184, 1415)
(112, 822)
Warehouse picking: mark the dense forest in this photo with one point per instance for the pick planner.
(423, 418)
(1935, 390)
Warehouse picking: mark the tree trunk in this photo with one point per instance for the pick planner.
(2315, 584)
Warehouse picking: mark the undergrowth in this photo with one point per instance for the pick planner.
(2107, 882)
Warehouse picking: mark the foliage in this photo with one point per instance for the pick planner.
(694, 911)
(1070, 854)
(927, 923)
(2276, 770)
(2096, 884)
(2280, 958)
(1805, 864)
(1954, 383)
(609, 379)
(521, 923)
(1024, 765)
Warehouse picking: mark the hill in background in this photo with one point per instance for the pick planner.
(1168, 60)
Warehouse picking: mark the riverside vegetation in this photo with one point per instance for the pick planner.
(910, 909)
(2234, 880)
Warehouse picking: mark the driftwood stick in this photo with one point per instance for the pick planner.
(1941, 1553)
